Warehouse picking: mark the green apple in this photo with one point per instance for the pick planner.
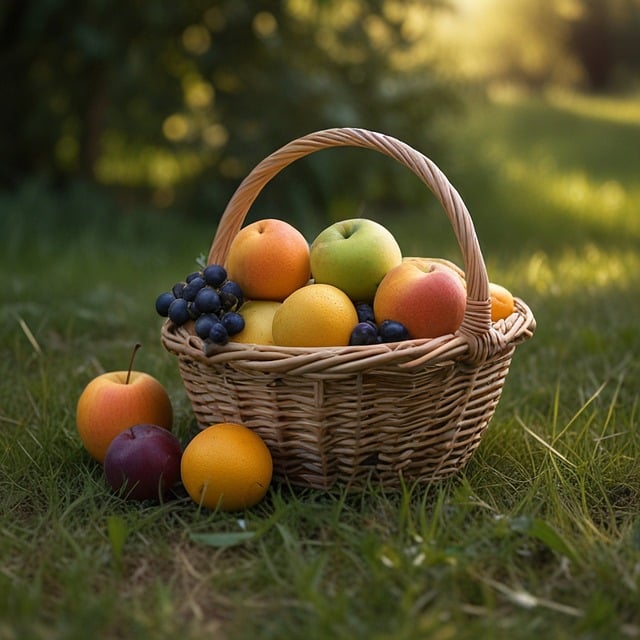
(354, 255)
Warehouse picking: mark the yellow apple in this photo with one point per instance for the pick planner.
(258, 318)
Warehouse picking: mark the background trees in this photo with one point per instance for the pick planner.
(173, 103)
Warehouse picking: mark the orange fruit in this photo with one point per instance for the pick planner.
(258, 318)
(226, 466)
(317, 315)
(269, 259)
(502, 302)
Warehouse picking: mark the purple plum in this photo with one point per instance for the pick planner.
(143, 462)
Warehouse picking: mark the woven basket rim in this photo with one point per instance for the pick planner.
(405, 355)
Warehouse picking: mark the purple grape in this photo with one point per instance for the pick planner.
(177, 289)
(392, 331)
(192, 276)
(233, 322)
(191, 288)
(231, 296)
(163, 301)
(364, 333)
(207, 300)
(219, 334)
(365, 312)
(204, 324)
(214, 275)
(178, 311)
(193, 310)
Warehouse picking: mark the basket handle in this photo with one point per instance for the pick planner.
(477, 320)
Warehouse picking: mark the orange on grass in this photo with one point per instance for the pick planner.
(317, 315)
(226, 466)
(269, 259)
(502, 302)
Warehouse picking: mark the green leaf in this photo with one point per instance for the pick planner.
(222, 540)
(118, 532)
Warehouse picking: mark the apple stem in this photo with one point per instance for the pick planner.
(133, 355)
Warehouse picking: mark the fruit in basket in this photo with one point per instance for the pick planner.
(364, 333)
(258, 320)
(163, 303)
(317, 315)
(369, 332)
(143, 462)
(207, 300)
(502, 302)
(392, 331)
(214, 275)
(117, 400)
(233, 322)
(231, 296)
(203, 325)
(354, 255)
(269, 259)
(206, 304)
(427, 297)
(226, 466)
(365, 312)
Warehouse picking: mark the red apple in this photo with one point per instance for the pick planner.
(427, 297)
(143, 462)
(117, 400)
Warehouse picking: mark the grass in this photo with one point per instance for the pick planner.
(538, 536)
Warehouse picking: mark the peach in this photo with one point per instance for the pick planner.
(269, 259)
(427, 297)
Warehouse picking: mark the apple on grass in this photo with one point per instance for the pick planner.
(427, 297)
(354, 255)
(143, 462)
(117, 400)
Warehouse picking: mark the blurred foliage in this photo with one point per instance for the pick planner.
(172, 104)
(591, 45)
(178, 101)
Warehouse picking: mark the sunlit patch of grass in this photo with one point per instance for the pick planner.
(542, 177)
(610, 108)
(576, 271)
(604, 203)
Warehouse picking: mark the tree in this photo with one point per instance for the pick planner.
(194, 93)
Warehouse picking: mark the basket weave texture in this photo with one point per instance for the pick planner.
(411, 411)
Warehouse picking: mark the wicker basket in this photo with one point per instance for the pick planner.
(409, 411)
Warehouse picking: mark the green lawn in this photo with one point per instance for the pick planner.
(538, 537)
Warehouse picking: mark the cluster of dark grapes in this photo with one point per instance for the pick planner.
(368, 332)
(210, 299)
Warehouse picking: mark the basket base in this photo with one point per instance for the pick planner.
(389, 425)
